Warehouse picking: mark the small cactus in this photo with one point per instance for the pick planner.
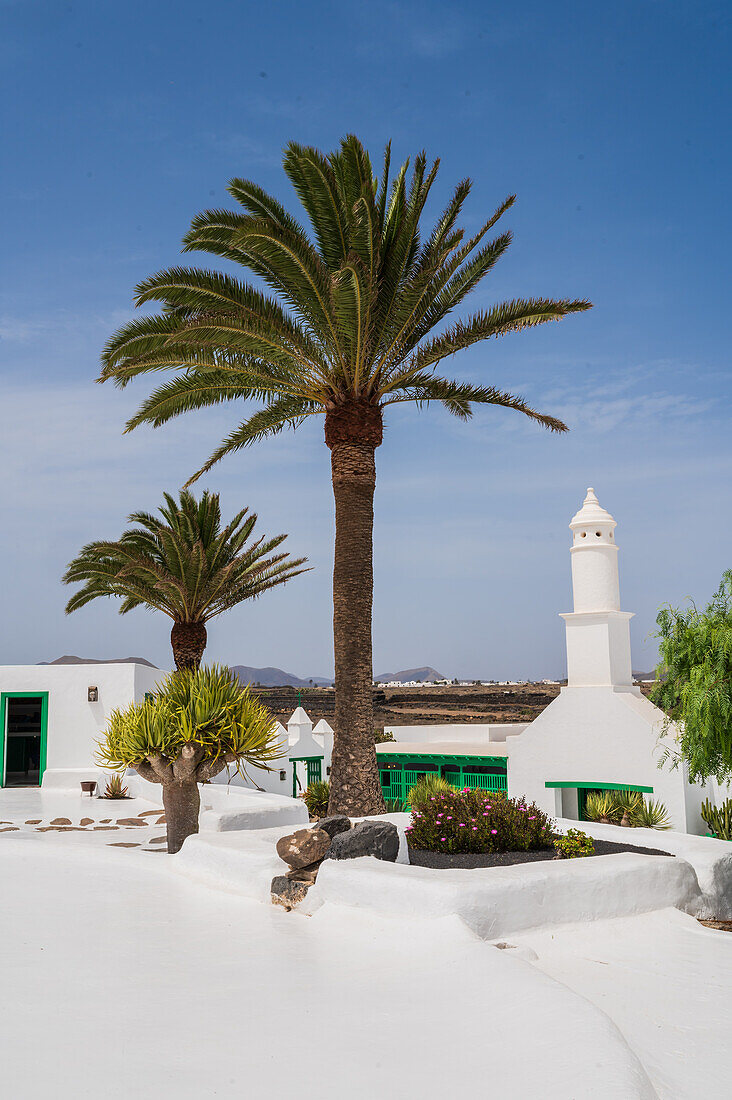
(718, 818)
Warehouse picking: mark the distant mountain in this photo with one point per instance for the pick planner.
(276, 677)
(96, 661)
(644, 675)
(419, 674)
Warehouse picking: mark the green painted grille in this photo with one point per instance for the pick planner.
(484, 782)
(314, 771)
(396, 780)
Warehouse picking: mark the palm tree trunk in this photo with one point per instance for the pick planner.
(188, 641)
(354, 781)
(182, 803)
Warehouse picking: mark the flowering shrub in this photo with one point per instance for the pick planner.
(478, 821)
(574, 843)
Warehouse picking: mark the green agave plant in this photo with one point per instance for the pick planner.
(426, 787)
(628, 803)
(115, 788)
(316, 798)
(396, 805)
(651, 814)
(602, 806)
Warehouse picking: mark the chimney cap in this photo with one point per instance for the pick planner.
(591, 512)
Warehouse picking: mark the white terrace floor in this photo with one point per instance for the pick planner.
(122, 979)
(73, 819)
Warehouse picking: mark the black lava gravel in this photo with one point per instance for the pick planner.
(466, 860)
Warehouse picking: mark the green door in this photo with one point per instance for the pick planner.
(24, 726)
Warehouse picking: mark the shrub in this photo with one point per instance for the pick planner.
(396, 805)
(425, 787)
(718, 818)
(381, 737)
(573, 844)
(316, 798)
(478, 821)
(651, 814)
(114, 788)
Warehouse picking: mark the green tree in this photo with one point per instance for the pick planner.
(184, 564)
(349, 330)
(199, 722)
(694, 683)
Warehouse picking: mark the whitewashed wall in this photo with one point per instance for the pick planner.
(75, 724)
(598, 735)
(482, 733)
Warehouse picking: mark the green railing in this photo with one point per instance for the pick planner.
(396, 782)
(481, 781)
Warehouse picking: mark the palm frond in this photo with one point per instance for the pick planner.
(457, 397)
(281, 413)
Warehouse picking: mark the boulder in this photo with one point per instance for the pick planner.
(305, 874)
(303, 847)
(370, 838)
(334, 825)
(286, 893)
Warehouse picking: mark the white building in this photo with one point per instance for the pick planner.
(51, 717)
(306, 757)
(600, 733)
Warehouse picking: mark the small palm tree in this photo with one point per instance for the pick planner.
(186, 565)
(349, 331)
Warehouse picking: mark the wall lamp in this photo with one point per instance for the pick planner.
(283, 774)
(92, 694)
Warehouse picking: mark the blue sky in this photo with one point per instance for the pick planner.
(610, 122)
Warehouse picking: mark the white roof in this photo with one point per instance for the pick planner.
(443, 748)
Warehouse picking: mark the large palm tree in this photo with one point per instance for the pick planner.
(349, 330)
(184, 564)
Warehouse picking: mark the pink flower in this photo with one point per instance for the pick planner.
(443, 838)
(462, 824)
(475, 828)
(532, 817)
(449, 818)
(409, 828)
(486, 815)
(494, 832)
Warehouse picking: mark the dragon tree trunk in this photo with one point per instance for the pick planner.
(182, 803)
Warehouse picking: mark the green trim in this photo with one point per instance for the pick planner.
(43, 696)
(440, 758)
(591, 785)
(313, 765)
